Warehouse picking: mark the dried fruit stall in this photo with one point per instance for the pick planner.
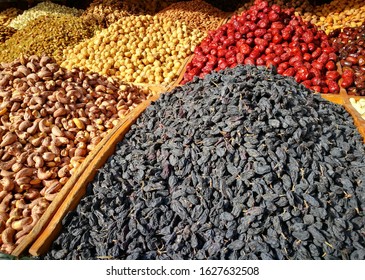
(174, 130)
(243, 164)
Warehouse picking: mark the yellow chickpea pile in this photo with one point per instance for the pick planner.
(140, 49)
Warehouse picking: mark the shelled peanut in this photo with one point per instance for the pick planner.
(42, 9)
(8, 15)
(197, 14)
(359, 106)
(5, 33)
(48, 35)
(142, 49)
(50, 119)
(106, 12)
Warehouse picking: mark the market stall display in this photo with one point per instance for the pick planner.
(243, 164)
(174, 130)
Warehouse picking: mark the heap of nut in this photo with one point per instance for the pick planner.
(140, 49)
(50, 118)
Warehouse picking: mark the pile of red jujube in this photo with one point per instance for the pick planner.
(350, 45)
(269, 36)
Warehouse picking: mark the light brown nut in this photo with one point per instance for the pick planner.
(8, 139)
(7, 235)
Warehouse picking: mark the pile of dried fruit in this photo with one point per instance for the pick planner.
(50, 119)
(350, 45)
(42, 9)
(8, 15)
(5, 33)
(244, 164)
(271, 36)
(48, 35)
(106, 12)
(197, 14)
(142, 49)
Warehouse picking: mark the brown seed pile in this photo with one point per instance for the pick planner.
(8, 15)
(5, 33)
(197, 14)
(50, 119)
(106, 12)
(48, 35)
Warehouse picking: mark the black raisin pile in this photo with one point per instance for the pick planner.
(244, 164)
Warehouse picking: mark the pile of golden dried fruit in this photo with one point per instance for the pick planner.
(50, 119)
(47, 35)
(141, 49)
(42, 9)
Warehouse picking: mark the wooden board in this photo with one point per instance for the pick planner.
(89, 169)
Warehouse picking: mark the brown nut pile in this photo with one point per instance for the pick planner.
(106, 12)
(197, 14)
(5, 33)
(8, 15)
(50, 119)
(141, 49)
(48, 35)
